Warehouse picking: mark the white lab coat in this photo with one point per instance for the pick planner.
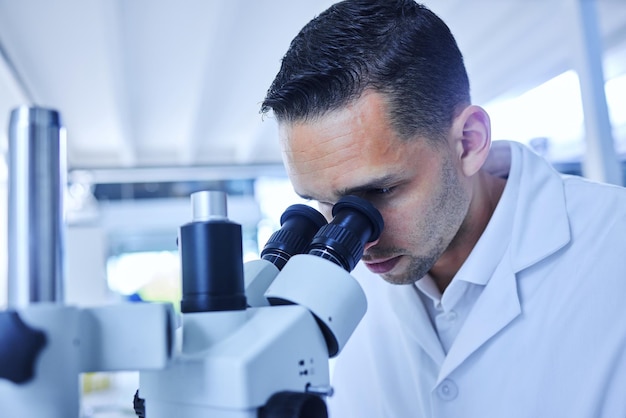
(546, 338)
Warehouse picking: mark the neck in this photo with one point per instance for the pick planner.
(487, 194)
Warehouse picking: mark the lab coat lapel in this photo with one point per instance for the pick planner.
(412, 316)
(497, 306)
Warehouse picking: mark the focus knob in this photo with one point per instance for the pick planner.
(20, 346)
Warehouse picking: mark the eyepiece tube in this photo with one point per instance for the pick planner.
(299, 224)
(355, 223)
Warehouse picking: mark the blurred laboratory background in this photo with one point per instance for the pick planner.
(160, 98)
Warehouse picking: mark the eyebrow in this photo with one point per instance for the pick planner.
(375, 183)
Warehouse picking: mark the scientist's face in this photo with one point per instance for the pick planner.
(418, 188)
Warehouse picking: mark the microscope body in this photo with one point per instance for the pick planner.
(267, 359)
(253, 341)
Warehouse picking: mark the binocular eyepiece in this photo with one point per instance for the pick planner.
(211, 251)
(299, 224)
(304, 230)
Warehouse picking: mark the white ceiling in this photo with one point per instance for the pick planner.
(178, 83)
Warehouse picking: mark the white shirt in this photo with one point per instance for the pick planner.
(545, 336)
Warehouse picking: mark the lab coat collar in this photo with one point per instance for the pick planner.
(540, 211)
(540, 207)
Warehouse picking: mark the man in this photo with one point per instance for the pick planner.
(503, 281)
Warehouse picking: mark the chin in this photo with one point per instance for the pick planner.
(396, 279)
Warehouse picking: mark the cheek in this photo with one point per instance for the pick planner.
(402, 220)
(396, 223)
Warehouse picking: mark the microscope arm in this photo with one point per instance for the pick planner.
(77, 340)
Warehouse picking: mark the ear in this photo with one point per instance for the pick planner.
(472, 135)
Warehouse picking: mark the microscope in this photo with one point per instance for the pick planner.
(253, 339)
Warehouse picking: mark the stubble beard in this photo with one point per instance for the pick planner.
(418, 268)
(444, 218)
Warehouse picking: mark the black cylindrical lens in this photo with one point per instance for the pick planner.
(299, 224)
(355, 223)
(212, 267)
(211, 257)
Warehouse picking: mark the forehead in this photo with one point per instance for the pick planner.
(343, 149)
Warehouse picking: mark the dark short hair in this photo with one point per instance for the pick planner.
(396, 47)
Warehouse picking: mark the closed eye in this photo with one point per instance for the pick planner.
(377, 192)
(382, 190)
(377, 195)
